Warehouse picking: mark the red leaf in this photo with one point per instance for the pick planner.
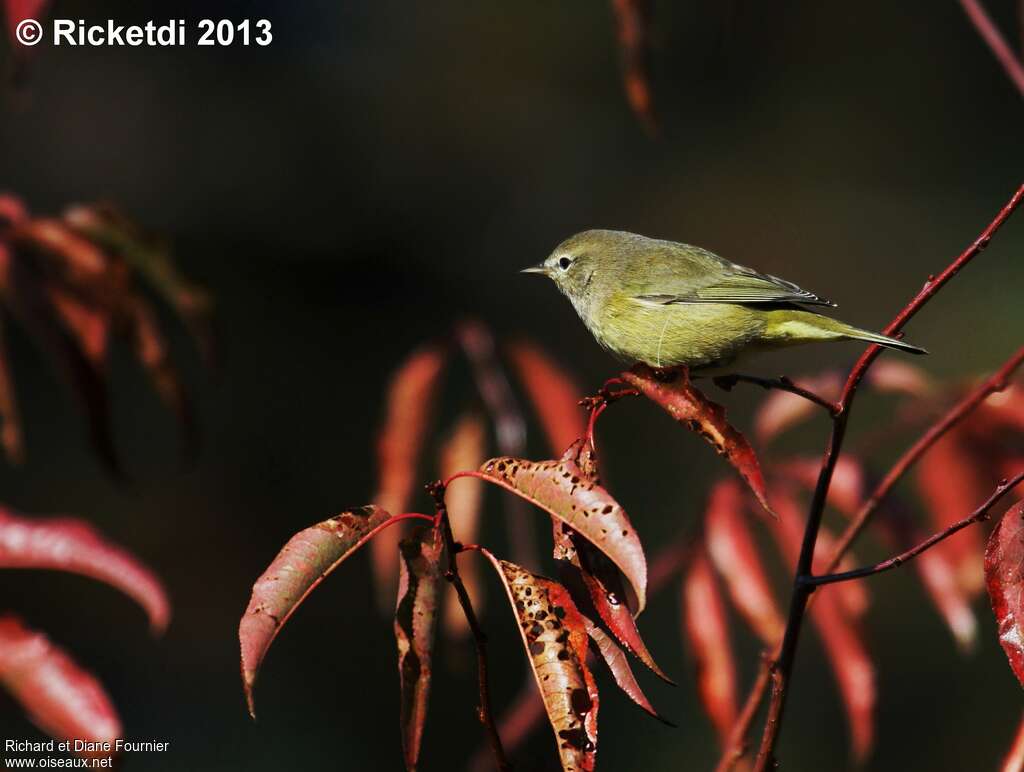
(554, 634)
(553, 393)
(706, 627)
(1014, 761)
(152, 353)
(150, 258)
(688, 405)
(19, 10)
(607, 593)
(937, 574)
(782, 410)
(464, 449)
(60, 697)
(618, 664)
(415, 621)
(851, 664)
(410, 402)
(734, 554)
(1004, 577)
(304, 562)
(10, 428)
(562, 490)
(633, 18)
(900, 377)
(951, 484)
(66, 544)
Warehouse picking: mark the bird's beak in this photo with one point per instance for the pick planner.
(535, 269)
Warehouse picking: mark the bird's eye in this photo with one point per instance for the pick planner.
(564, 263)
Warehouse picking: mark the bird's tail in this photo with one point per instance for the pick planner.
(788, 327)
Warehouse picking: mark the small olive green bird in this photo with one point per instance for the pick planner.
(668, 304)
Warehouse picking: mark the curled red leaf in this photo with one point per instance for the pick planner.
(415, 622)
(688, 405)
(304, 562)
(562, 490)
(615, 658)
(950, 482)
(67, 544)
(553, 393)
(734, 554)
(410, 402)
(1004, 577)
(554, 634)
(706, 627)
(59, 697)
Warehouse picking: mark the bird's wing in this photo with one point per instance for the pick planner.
(738, 285)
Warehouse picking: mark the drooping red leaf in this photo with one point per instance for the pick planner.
(898, 533)
(553, 393)
(561, 489)
(607, 593)
(633, 18)
(1004, 577)
(1014, 761)
(24, 294)
(152, 352)
(59, 697)
(782, 410)
(897, 376)
(465, 448)
(89, 325)
(844, 646)
(615, 658)
(67, 544)
(951, 483)
(734, 555)
(304, 562)
(150, 258)
(410, 403)
(415, 622)
(688, 405)
(706, 627)
(10, 428)
(554, 634)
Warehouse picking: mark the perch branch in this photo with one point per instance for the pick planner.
(782, 383)
(451, 574)
(783, 667)
(977, 516)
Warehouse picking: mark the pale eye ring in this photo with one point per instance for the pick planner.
(564, 263)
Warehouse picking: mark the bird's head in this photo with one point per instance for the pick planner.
(574, 263)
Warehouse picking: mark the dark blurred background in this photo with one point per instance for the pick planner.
(381, 170)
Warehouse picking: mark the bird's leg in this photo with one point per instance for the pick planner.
(666, 374)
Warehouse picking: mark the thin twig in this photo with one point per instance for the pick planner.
(992, 385)
(978, 515)
(782, 383)
(996, 42)
(782, 671)
(452, 549)
(736, 747)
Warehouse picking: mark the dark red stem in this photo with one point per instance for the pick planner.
(452, 549)
(783, 667)
(981, 513)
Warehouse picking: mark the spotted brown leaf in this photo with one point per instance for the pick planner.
(1004, 577)
(415, 625)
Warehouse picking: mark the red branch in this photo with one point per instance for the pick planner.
(992, 385)
(782, 670)
(452, 548)
(996, 42)
(978, 515)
